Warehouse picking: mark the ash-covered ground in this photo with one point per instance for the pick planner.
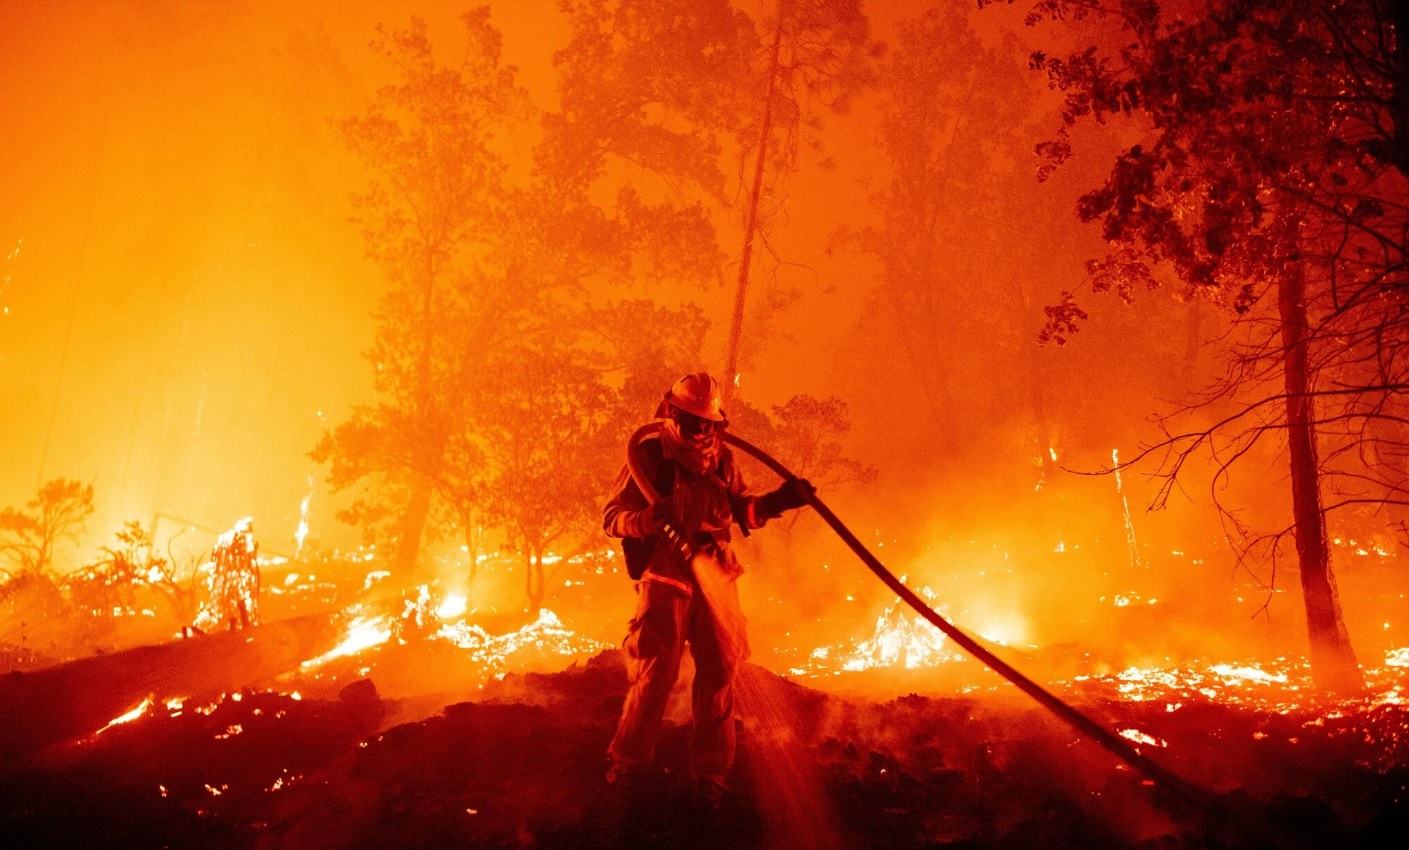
(522, 765)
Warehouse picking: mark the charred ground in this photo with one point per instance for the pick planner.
(522, 766)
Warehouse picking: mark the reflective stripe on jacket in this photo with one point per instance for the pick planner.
(703, 506)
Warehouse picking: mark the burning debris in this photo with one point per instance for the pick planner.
(233, 580)
(468, 653)
(127, 716)
(546, 635)
(901, 639)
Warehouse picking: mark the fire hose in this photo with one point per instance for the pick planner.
(1172, 784)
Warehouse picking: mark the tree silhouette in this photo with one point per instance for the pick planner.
(30, 537)
(1271, 183)
(436, 191)
(545, 429)
(817, 56)
(955, 282)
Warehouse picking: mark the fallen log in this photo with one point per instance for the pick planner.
(67, 701)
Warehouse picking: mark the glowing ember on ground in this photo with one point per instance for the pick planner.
(1142, 738)
(1234, 674)
(1281, 685)
(1271, 689)
(546, 634)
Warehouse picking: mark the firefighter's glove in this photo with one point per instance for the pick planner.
(794, 493)
(652, 520)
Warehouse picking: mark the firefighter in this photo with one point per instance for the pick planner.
(686, 595)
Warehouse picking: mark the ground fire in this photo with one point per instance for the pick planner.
(696, 423)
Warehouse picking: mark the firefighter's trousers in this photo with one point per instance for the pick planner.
(668, 614)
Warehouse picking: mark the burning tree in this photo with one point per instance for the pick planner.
(491, 278)
(630, 161)
(1272, 183)
(233, 579)
(807, 432)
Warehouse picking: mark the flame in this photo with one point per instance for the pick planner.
(898, 640)
(129, 715)
(301, 534)
(364, 632)
(421, 618)
(1004, 633)
(1275, 686)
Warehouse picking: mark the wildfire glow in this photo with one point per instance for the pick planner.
(901, 639)
(452, 606)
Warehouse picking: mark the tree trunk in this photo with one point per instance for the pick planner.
(472, 549)
(413, 522)
(736, 324)
(1333, 664)
(533, 579)
(1037, 396)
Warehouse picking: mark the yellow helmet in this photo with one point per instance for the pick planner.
(698, 394)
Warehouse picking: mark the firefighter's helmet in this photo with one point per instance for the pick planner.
(698, 394)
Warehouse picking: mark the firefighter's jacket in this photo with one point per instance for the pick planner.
(703, 507)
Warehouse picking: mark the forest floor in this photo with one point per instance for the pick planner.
(523, 766)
